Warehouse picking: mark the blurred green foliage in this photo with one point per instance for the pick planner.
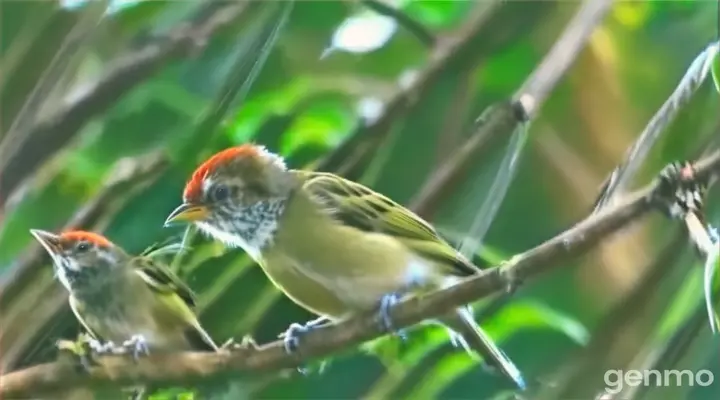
(305, 106)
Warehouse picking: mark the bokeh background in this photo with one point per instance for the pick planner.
(127, 102)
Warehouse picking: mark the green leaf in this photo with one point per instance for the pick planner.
(533, 314)
(520, 315)
(685, 301)
(716, 68)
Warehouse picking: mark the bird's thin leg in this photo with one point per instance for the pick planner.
(137, 345)
(291, 336)
(386, 303)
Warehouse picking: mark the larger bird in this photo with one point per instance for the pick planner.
(333, 246)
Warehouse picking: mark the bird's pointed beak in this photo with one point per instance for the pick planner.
(48, 240)
(187, 213)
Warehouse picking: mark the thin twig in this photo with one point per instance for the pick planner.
(245, 70)
(451, 130)
(444, 55)
(622, 175)
(502, 119)
(191, 367)
(630, 317)
(72, 48)
(51, 134)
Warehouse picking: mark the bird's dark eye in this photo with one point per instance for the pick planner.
(82, 246)
(221, 192)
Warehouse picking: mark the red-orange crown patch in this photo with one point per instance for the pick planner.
(76, 236)
(193, 188)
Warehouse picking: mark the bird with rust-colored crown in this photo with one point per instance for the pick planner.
(127, 303)
(124, 299)
(333, 246)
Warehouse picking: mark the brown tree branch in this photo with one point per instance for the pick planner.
(49, 135)
(191, 367)
(490, 25)
(500, 120)
(631, 318)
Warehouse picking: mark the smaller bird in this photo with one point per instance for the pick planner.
(121, 299)
(333, 246)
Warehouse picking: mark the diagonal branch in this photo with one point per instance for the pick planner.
(502, 119)
(621, 177)
(47, 136)
(445, 54)
(191, 367)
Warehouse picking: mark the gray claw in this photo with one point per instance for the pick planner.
(138, 345)
(291, 336)
(102, 348)
(386, 302)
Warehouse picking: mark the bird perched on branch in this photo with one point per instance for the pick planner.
(333, 246)
(133, 302)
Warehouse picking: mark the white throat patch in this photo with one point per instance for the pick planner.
(253, 247)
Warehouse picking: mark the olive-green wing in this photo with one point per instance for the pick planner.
(358, 206)
(160, 278)
(177, 296)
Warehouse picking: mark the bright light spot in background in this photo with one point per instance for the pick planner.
(632, 15)
(72, 4)
(370, 109)
(362, 33)
(114, 5)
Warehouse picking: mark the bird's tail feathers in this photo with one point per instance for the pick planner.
(474, 339)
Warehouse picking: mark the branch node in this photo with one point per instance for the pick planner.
(524, 107)
(509, 276)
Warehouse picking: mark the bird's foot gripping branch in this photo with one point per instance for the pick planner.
(386, 302)
(86, 348)
(291, 336)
